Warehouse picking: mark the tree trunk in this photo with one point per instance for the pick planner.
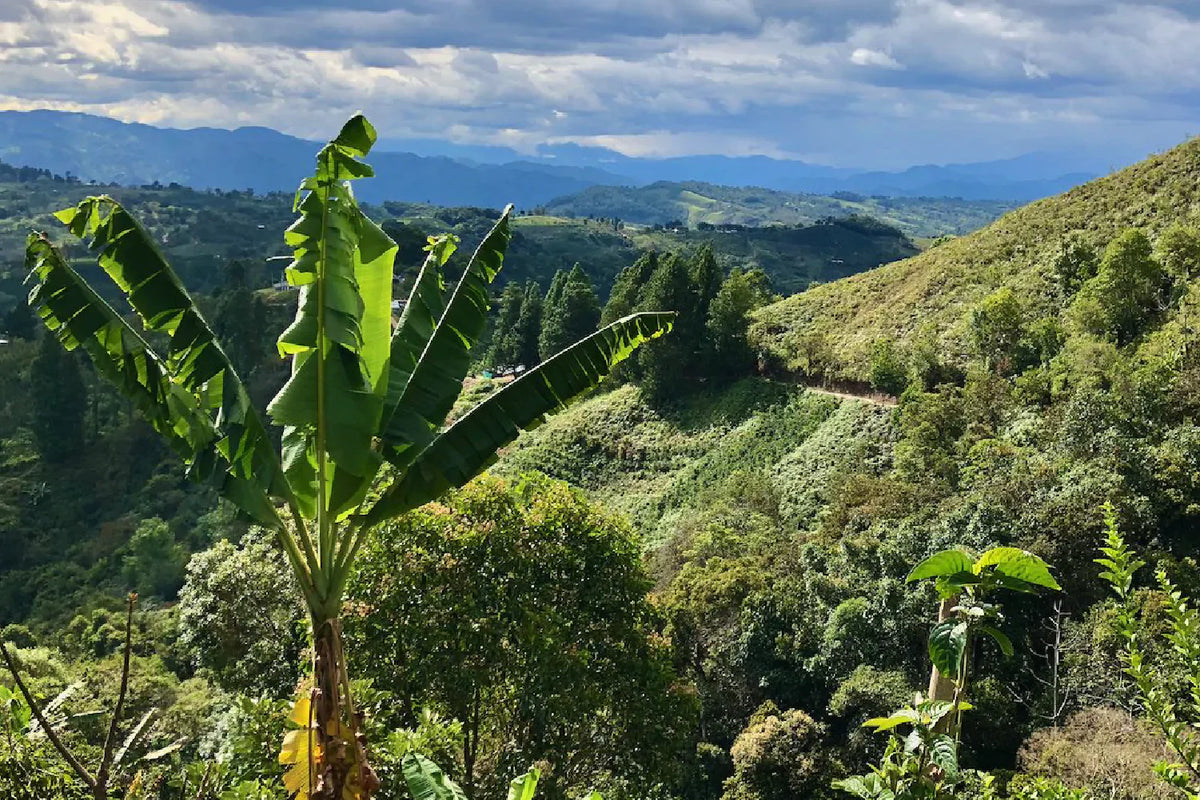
(940, 686)
(342, 763)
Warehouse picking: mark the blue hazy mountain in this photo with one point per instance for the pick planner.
(1026, 177)
(423, 170)
(107, 151)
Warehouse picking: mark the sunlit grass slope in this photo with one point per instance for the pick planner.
(790, 445)
(936, 289)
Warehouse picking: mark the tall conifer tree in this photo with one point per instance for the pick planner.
(706, 280)
(664, 368)
(529, 324)
(506, 341)
(729, 319)
(571, 311)
(623, 298)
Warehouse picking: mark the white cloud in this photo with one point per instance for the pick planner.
(657, 76)
(865, 57)
(1033, 70)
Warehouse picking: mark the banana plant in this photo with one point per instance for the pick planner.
(363, 417)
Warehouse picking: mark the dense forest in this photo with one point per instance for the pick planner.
(922, 531)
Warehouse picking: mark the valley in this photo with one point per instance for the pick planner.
(691, 575)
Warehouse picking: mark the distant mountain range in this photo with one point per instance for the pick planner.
(1021, 179)
(107, 151)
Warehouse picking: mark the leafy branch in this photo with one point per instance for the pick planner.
(1157, 696)
(924, 766)
(965, 587)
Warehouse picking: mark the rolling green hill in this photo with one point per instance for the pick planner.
(776, 523)
(1047, 371)
(656, 465)
(694, 203)
(199, 231)
(795, 256)
(934, 292)
(202, 231)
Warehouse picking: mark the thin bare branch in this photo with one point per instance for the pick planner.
(204, 781)
(62, 749)
(110, 740)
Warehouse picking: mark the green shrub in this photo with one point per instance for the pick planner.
(780, 757)
(1024, 787)
(889, 372)
(18, 636)
(239, 619)
(868, 692)
(154, 563)
(553, 657)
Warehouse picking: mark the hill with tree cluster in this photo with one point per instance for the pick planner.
(1044, 371)
(1041, 253)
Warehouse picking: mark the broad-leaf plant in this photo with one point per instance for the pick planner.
(363, 416)
(965, 587)
(924, 765)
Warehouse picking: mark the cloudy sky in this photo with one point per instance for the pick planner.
(875, 83)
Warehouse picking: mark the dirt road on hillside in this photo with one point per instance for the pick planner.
(872, 398)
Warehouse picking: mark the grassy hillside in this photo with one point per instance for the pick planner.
(655, 465)
(781, 523)
(694, 203)
(778, 523)
(935, 291)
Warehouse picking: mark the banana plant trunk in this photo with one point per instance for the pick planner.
(342, 762)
